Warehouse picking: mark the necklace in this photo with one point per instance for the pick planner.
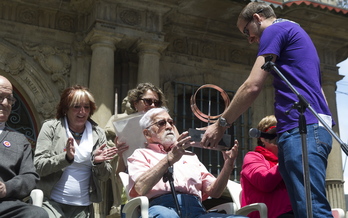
(76, 135)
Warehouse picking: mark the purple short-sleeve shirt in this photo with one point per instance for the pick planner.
(298, 61)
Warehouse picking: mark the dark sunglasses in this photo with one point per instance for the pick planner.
(162, 123)
(150, 101)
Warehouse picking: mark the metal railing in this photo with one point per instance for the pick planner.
(21, 120)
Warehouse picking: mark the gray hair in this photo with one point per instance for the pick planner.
(147, 118)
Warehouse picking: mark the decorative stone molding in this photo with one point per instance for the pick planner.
(30, 77)
(131, 17)
(47, 108)
(144, 15)
(82, 6)
(44, 105)
(27, 15)
(39, 92)
(54, 61)
(12, 63)
(66, 22)
(39, 15)
(198, 48)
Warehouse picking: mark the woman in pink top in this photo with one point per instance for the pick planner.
(260, 177)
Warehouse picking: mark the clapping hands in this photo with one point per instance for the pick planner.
(102, 154)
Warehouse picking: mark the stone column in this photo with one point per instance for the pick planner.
(101, 79)
(149, 56)
(80, 65)
(334, 173)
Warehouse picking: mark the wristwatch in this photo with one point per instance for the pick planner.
(223, 122)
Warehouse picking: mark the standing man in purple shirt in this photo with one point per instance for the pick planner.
(295, 56)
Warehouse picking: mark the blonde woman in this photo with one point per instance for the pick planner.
(71, 157)
(260, 178)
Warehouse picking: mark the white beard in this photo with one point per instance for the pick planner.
(168, 139)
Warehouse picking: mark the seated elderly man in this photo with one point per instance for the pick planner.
(17, 172)
(192, 181)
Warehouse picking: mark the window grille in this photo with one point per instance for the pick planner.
(21, 119)
(185, 119)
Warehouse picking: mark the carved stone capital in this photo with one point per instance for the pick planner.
(103, 38)
(330, 78)
(149, 46)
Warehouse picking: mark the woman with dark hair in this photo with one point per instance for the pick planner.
(146, 96)
(71, 156)
(140, 99)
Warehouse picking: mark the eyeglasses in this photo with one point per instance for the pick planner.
(162, 123)
(150, 101)
(11, 100)
(245, 30)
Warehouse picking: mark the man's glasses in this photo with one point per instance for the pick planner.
(150, 101)
(11, 100)
(162, 123)
(245, 30)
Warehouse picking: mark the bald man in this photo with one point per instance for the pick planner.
(17, 172)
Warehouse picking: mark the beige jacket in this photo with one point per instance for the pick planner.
(50, 162)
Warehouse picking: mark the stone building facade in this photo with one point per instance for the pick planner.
(112, 45)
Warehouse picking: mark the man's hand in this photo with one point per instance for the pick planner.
(231, 155)
(2, 190)
(212, 135)
(178, 150)
(101, 154)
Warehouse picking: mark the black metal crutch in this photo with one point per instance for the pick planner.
(168, 176)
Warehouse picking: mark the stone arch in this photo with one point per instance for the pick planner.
(37, 90)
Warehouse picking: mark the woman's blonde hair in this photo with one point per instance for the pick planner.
(265, 124)
(74, 95)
